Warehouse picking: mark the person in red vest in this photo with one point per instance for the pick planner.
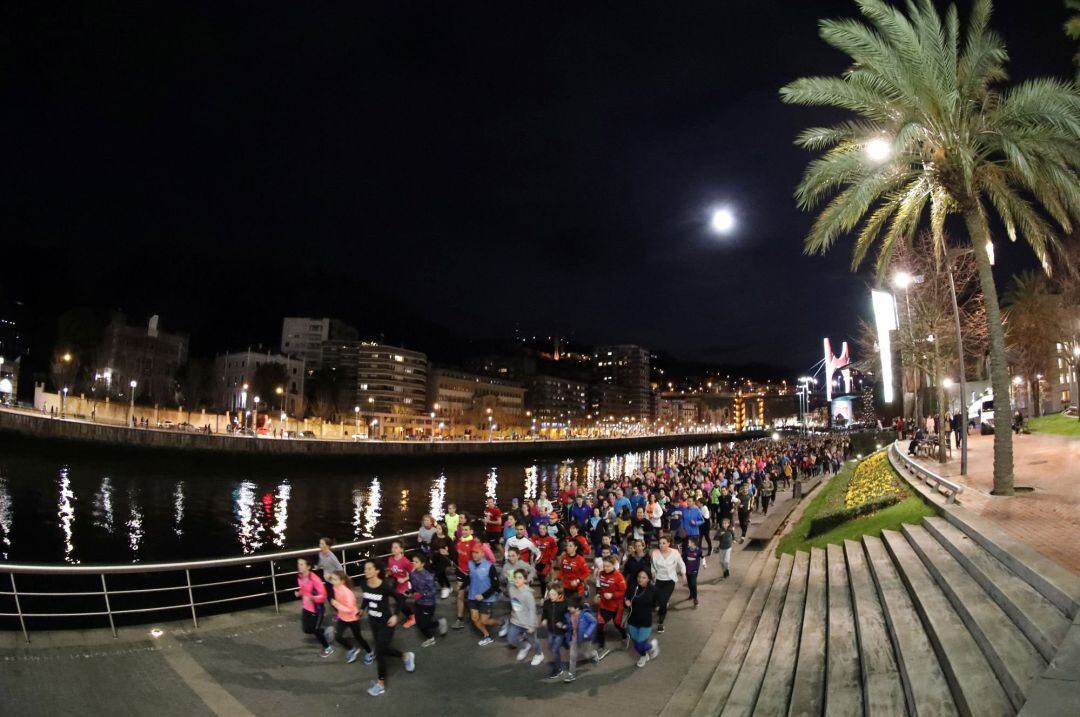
(573, 570)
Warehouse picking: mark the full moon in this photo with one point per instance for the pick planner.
(723, 220)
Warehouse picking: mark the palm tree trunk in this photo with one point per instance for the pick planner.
(979, 235)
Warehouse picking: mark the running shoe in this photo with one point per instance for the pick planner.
(486, 641)
(409, 623)
(504, 629)
(444, 593)
(376, 689)
(655, 651)
(458, 624)
(537, 659)
(695, 604)
(369, 658)
(555, 675)
(327, 651)
(428, 642)
(660, 629)
(523, 653)
(409, 658)
(443, 627)
(352, 654)
(643, 660)
(601, 654)
(570, 677)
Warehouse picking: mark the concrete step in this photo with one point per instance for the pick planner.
(883, 690)
(744, 693)
(780, 674)
(1012, 657)
(843, 688)
(719, 686)
(808, 691)
(925, 686)
(1054, 582)
(1040, 620)
(974, 686)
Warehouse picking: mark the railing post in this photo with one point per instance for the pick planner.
(108, 607)
(18, 608)
(273, 586)
(191, 597)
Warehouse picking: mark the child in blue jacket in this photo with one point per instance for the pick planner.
(580, 631)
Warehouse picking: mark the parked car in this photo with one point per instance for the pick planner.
(308, 434)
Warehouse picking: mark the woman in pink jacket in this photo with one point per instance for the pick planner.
(348, 618)
(398, 568)
(312, 594)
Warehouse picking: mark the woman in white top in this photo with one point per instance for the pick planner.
(667, 566)
(654, 512)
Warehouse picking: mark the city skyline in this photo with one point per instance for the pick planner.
(253, 174)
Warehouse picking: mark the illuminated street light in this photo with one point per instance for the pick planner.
(723, 220)
(878, 149)
(131, 413)
(947, 382)
(902, 280)
(255, 416)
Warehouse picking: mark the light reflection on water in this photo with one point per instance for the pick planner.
(6, 514)
(65, 512)
(185, 511)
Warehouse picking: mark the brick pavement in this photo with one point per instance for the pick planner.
(1048, 518)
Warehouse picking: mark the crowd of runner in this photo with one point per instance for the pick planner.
(573, 567)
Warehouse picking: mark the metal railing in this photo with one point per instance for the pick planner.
(186, 579)
(943, 485)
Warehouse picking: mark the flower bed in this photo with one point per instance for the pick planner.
(873, 485)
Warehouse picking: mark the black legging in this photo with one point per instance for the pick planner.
(744, 521)
(608, 619)
(706, 535)
(664, 589)
(440, 562)
(311, 622)
(383, 635)
(425, 619)
(339, 632)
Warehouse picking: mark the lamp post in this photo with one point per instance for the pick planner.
(131, 411)
(432, 426)
(356, 413)
(904, 280)
(255, 417)
(374, 424)
(63, 400)
(491, 426)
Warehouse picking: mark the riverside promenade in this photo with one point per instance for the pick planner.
(35, 425)
(257, 662)
(1046, 518)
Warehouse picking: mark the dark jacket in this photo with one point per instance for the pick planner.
(642, 603)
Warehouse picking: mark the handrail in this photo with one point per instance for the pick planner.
(952, 488)
(42, 568)
(188, 586)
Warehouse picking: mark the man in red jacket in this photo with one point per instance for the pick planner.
(492, 522)
(548, 548)
(573, 570)
(611, 587)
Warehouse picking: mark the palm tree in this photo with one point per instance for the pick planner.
(936, 133)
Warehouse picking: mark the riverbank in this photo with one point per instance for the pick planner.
(43, 430)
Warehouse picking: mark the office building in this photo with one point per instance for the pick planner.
(625, 367)
(304, 337)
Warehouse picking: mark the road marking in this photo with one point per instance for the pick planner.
(217, 698)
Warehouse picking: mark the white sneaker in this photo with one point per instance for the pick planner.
(643, 660)
(504, 629)
(537, 659)
(443, 627)
(523, 653)
(444, 593)
(655, 651)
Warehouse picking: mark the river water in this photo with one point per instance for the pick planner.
(58, 507)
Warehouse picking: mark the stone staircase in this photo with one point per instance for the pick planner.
(934, 619)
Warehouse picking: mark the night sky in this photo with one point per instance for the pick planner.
(433, 169)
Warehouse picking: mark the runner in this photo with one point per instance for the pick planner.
(398, 568)
(312, 594)
(547, 549)
(464, 550)
(492, 522)
(483, 589)
(694, 560)
(328, 563)
(667, 566)
(610, 589)
(523, 620)
(452, 521)
(554, 619)
(377, 596)
(441, 560)
(344, 601)
(725, 537)
(640, 604)
(423, 582)
(573, 570)
(580, 630)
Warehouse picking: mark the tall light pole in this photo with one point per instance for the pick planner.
(904, 280)
(255, 417)
(374, 424)
(131, 411)
(356, 413)
(432, 426)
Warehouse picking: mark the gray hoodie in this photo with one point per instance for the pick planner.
(523, 607)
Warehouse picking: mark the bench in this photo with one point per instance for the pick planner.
(942, 485)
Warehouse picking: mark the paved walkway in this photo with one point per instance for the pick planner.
(1048, 518)
(258, 662)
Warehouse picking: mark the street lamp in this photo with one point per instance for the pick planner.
(63, 400)
(255, 416)
(131, 413)
(433, 426)
(491, 425)
(356, 413)
(374, 423)
(878, 149)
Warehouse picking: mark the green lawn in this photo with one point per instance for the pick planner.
(910, 510)
(1058, 424)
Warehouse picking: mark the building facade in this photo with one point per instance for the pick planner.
(377, 378)
(305, 337)
(553, 400)
(238, 381)
(625, 367)
(467, 399)
(146, 355)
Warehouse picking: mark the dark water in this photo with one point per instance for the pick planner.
(57, 507)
